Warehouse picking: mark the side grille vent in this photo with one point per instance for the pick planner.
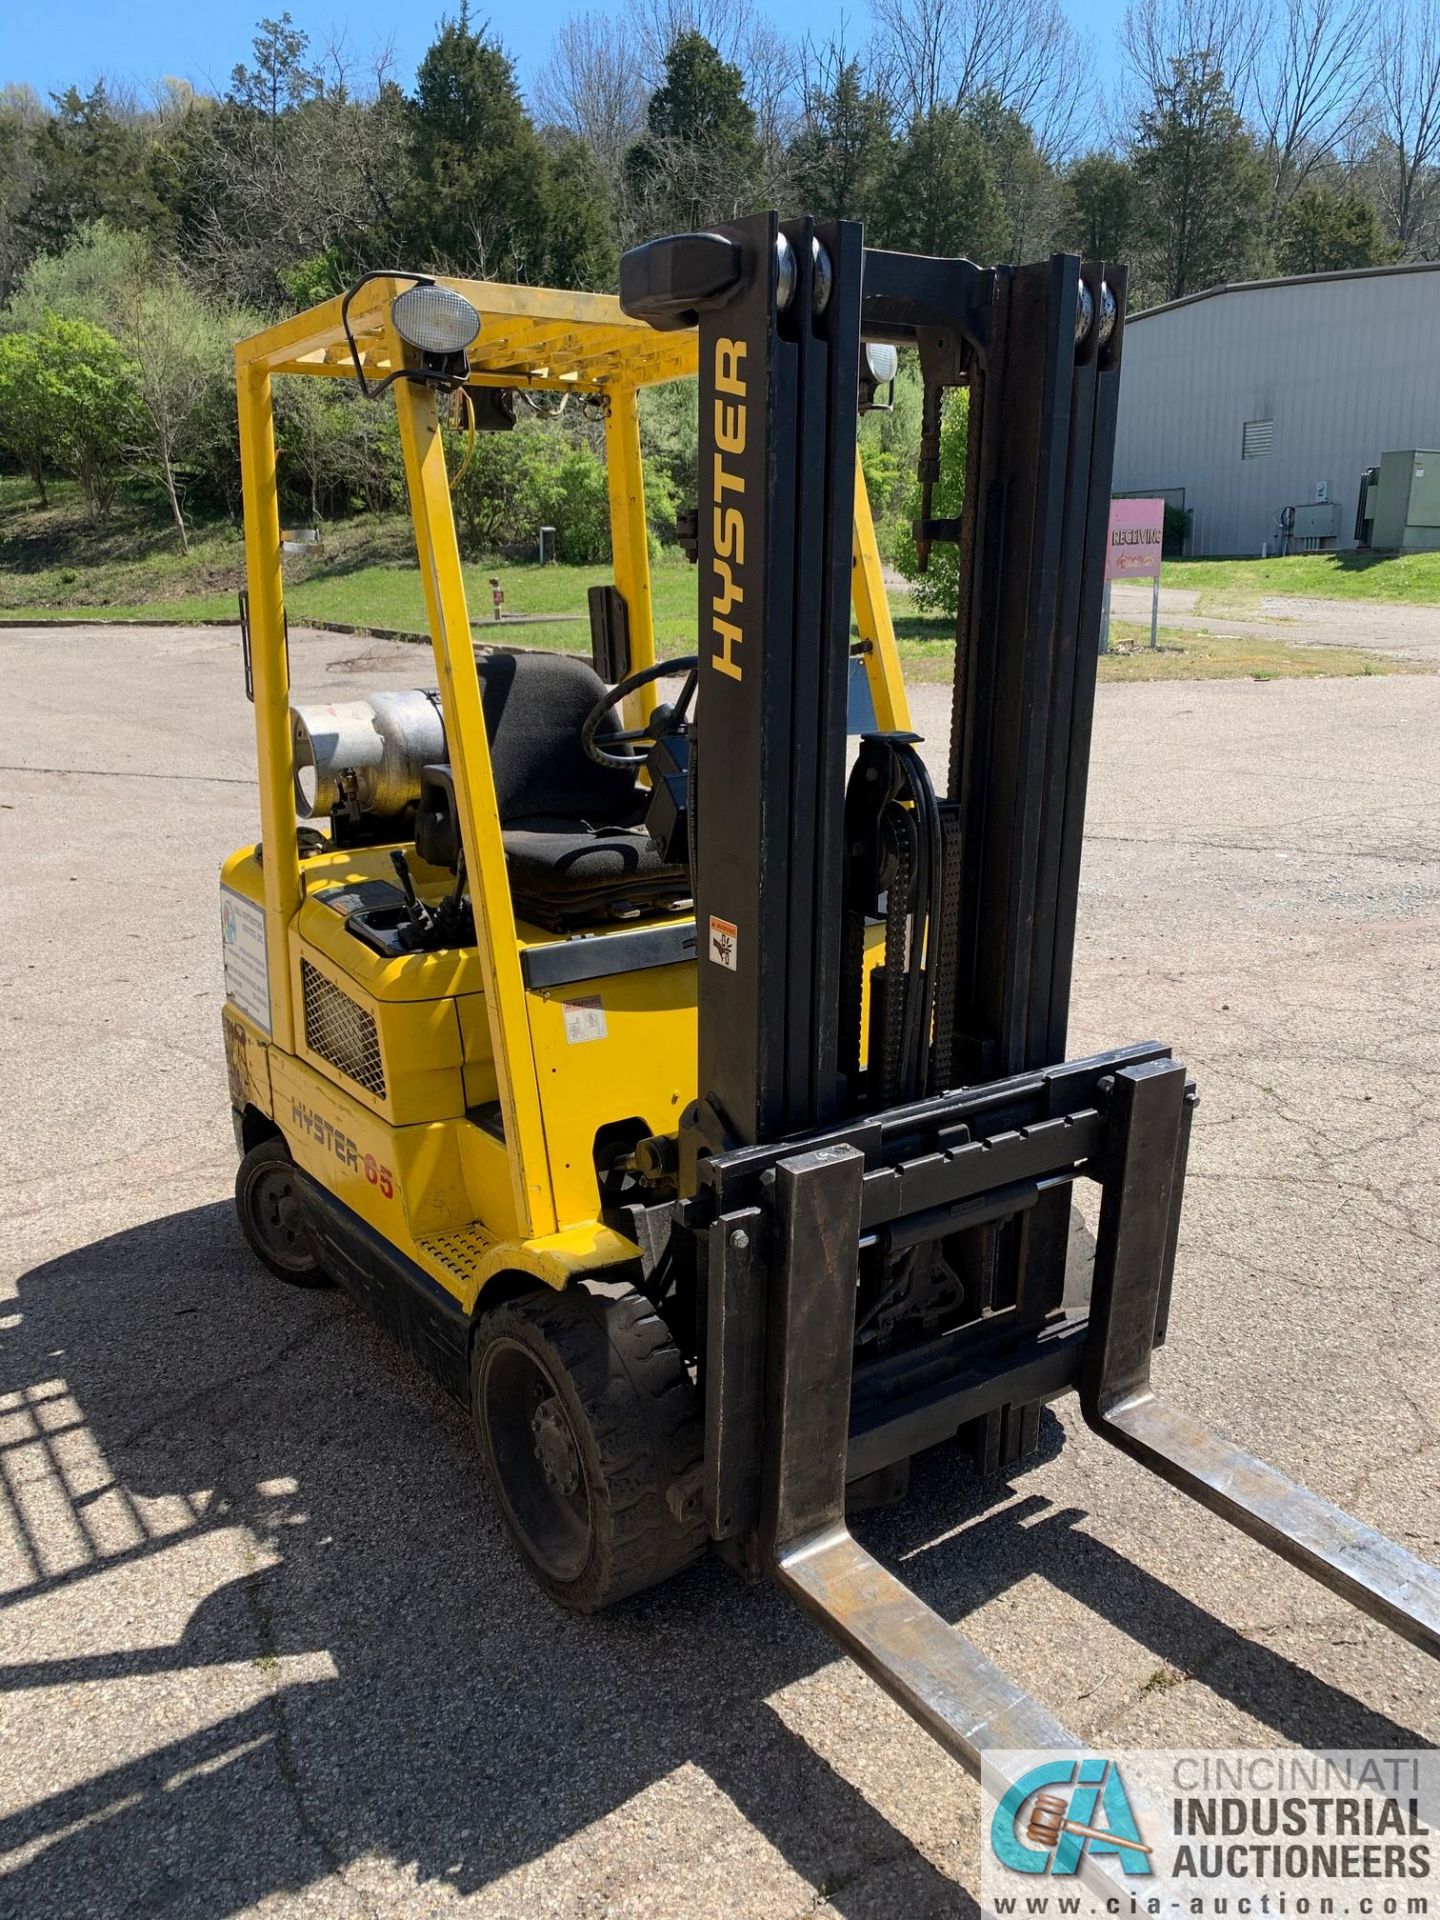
(339, 1030)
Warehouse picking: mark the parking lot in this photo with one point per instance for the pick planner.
(264, 1648)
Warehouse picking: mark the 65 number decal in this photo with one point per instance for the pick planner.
(379, 1176)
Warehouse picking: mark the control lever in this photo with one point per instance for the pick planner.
(421, 917)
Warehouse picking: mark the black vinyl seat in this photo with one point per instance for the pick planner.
(575, 841)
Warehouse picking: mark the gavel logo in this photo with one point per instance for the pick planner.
(1047, 1822)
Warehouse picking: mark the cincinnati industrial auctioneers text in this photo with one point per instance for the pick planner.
(1219, 1836)
(1300, 1816)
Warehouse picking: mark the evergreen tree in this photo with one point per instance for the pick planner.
(699, 161)
(839, 158)
(89, 165)
(1325, 231)
(940, 196)
(280, 78)
(1100, 209)
(1025, 183)
(1200, 177)
(477, 204)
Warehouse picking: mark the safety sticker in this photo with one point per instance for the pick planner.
(724, 942)
(247, 961)
(584, 1020)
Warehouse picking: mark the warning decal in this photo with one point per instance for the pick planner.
(724, 942)
(584, 1020)
(247, 968)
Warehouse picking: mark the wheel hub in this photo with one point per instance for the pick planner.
(555, 1446)
(280, 1211)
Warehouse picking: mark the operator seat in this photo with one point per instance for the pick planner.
(575, 842)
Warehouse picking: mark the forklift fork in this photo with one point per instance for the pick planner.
(931, 1669)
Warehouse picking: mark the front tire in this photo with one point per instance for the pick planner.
(589, 1431)
(271, 1216)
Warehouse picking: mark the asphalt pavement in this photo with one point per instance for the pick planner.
(263, 1647)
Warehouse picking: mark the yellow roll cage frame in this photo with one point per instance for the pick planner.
(531, 338)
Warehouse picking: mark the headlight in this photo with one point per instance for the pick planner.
(881, 361)
(435, 320)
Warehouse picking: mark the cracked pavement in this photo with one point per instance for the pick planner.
(264, 1650)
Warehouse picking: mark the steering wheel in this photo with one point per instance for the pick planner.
(663, 720)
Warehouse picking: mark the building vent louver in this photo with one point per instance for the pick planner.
(339, 1029)
(1257, 438)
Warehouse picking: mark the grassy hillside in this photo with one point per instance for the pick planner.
(56, 565)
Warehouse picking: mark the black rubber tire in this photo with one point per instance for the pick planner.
(270, 1216)
(620, 1390)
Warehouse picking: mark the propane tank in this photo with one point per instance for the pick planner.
(384, 742)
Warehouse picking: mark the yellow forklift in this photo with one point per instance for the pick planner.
(681, 1080)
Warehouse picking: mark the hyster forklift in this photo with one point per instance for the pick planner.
(682, 1081)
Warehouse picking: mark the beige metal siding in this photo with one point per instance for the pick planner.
(1345, 369)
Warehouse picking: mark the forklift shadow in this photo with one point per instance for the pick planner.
(162, 1396)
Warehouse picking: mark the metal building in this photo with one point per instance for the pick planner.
(1245, 400)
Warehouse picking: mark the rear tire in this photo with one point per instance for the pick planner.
(589, 1431)
(271, 1217)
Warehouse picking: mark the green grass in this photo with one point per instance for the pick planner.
(1185, 655)
(54, 564)
(1408, 577)
(928, 653)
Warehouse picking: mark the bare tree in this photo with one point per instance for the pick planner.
(1226, 34)
(1021, 55)
(1310, 87)
(771, 66)
(593, 87)
(1407, 118)
(656, 24)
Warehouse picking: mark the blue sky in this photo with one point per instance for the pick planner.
(141, 40)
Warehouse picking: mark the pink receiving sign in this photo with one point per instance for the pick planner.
(1136, 529)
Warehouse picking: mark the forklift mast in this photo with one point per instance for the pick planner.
(878, 1178)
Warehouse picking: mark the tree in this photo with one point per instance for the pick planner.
(20, 117)
(89, 389)
(85, 280)
(1100, 209)
(1024, 54)
(89, 165)
(940, 196)
(477, 203)
(699, 160)
(1224, 34)
(29, 427)
(593, 87)
(1407, 117)
(280, 77)
(1027, 187)
(1310, 87)
(180, 352)
(1197, 169)
(577, 202)
(1326, 231)
(286, 170)
(839, 158)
